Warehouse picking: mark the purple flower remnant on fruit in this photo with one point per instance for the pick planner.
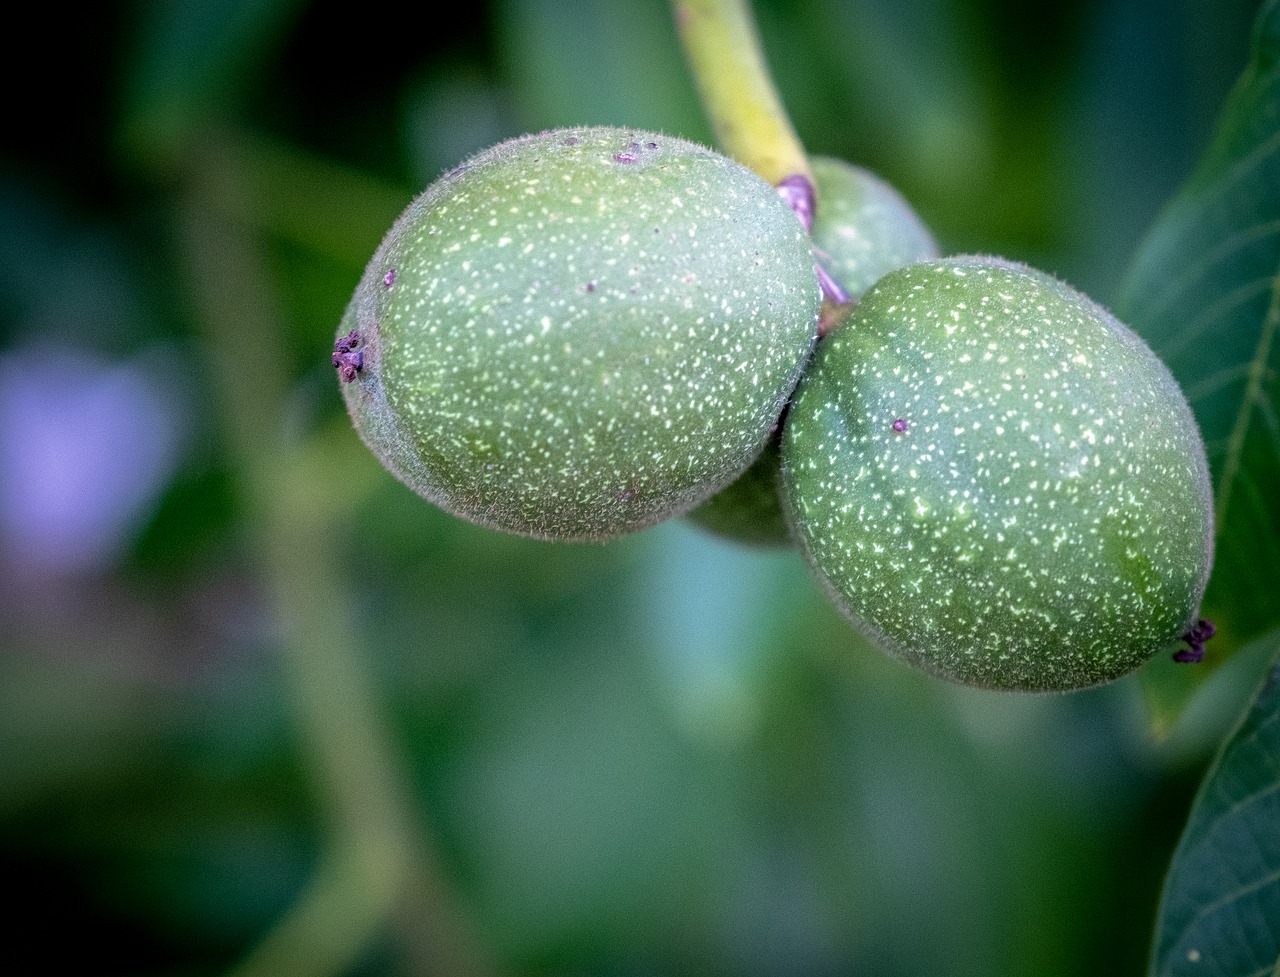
(1201, 632)
(899, 425)
(798, 191)
(389, 278)
(346, 358)
(831, 289)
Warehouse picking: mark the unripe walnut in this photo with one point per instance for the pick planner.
(998, 481)
(581, 333)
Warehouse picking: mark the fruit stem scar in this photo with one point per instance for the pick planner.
(346, 358)
(1195, 638)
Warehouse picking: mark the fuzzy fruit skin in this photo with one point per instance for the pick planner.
(1038, 518)
(587, 331)
(863, 229)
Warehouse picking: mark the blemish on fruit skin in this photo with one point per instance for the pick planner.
(1045, 504)
(899, 425)
(389, 278)
(346, 358)
(624, 157)
(1196, 638)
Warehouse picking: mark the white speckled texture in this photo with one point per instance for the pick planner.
(1040, 517)
(863, 230)
(589, 331)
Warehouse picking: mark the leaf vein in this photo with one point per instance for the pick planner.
(1253, 391)
(1217, 381)
(1208, 909)
(1215, 310)
(1227, 247)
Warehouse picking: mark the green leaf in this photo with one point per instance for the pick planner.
(1204, 290)
(192, 60)
(1220, 911)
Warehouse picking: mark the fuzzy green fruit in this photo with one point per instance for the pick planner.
(998, 481)
(863, 229)
(578, 334)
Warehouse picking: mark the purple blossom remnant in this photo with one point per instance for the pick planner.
(800, 196)
(389, 278)
(899, 426)
(1200, 632)
(346, 358)
(832, 291)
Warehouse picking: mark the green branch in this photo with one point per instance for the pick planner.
(751, 125)
(378, 866)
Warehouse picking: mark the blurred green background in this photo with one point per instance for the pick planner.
(262, 708)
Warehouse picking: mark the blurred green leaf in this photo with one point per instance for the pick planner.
(1220, 912)
(192, 57)
(581, 62)
(1204, 290)
(321, 205)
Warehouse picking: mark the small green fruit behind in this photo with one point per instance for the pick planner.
(998, 481)
(863, 229)
(750, 510)
(578, 334)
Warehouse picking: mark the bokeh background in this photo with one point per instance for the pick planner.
(263, 710)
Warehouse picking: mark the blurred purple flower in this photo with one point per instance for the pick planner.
(86, 449)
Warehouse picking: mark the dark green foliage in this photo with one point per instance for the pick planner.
(1220, 912)
(1204, 291)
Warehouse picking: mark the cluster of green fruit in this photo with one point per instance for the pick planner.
(579, 334)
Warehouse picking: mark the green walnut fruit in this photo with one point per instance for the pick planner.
(998, 481)
(863, 229)
(578, 334)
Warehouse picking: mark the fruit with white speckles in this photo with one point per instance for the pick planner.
(863, 229)
(581, 333)
(998, 481)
